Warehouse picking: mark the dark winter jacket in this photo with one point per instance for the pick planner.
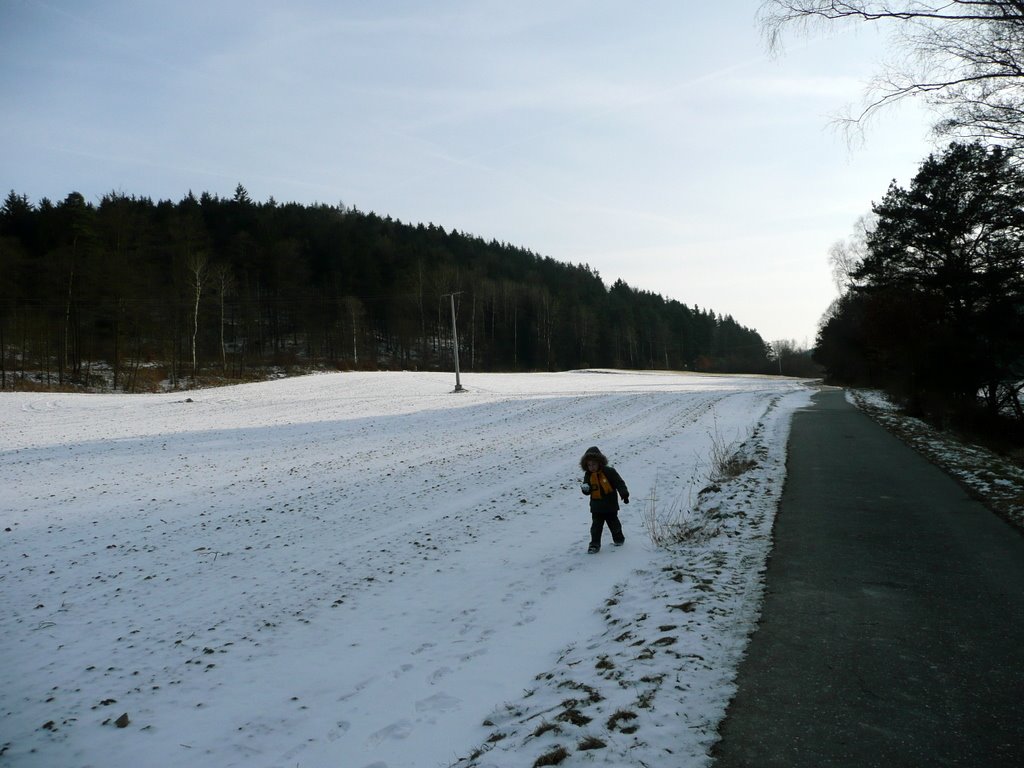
(604, 497)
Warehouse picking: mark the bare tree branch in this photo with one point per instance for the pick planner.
(965, 58)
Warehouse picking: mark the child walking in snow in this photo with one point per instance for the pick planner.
(604, 486)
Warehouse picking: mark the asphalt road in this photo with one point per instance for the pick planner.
(892, 632)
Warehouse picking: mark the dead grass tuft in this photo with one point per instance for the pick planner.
(554, 757)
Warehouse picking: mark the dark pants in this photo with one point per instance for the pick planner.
(600, 518)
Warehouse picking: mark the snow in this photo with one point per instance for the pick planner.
(366, 570)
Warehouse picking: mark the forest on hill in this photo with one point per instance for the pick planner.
(210, 288)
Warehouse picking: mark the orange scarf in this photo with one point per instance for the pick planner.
(599, 485)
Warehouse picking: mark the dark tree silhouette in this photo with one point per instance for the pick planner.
(936, 312)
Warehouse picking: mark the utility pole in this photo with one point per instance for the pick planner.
(455, 343)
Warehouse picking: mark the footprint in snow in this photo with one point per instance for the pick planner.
(358, 688)
(439, 702)
(393, 732)
(338, 731)
(473, 654)
(439, 674)
(401, 671)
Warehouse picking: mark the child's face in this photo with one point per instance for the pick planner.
(592, 466)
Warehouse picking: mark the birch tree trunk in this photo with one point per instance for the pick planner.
(197, 273)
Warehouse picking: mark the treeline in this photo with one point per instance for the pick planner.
(213, 287)
(933, 309)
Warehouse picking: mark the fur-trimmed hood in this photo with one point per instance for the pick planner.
(593, 454)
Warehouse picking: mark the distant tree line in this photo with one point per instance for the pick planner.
(214, 287)
(933, 306)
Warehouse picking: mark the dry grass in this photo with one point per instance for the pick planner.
(546, 727)
(573, 716)
(683, 519)
(674, 522)
(621, 715)
(554, 757)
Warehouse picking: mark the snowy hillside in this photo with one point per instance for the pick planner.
(365, 570)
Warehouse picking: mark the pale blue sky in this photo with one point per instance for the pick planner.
(656, 141)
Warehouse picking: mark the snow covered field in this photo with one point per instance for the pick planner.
(364, 570)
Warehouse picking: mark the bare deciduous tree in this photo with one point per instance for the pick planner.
(196, 266)
(355, 311)
(963, 57)
(846, 255)
(225, 282)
